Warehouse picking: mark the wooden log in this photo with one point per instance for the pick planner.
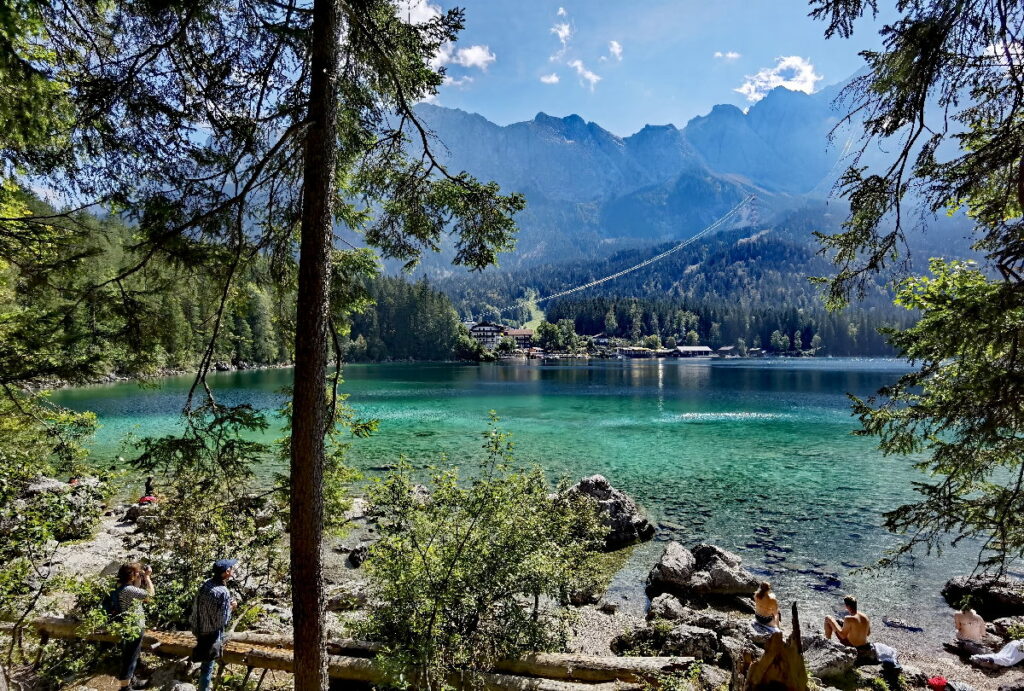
(589, 668)
(267, 654)
(592, 668)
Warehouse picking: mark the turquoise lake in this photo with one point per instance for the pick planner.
(757, 456)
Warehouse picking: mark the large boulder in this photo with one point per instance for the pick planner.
(990, 597)
(673, 570)
(707, 571)
(719, 572)
(626, 522)
(691, 641)
(827, 659)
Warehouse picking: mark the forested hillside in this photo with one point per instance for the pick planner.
(740, 284)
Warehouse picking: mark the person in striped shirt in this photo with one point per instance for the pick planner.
(134, 585)
(211, 612)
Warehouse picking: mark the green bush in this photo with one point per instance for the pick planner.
(471, 571)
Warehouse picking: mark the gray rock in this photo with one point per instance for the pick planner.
(711, 677)
(626, 523)
(991, 597)
(691, 641)
(1001, 626)
(170, 676)
(719, 572)
(673, 570)
(733, 650)
(47, 485)
(720, 622)
(666, 606)
(345, 599)
(826, 659)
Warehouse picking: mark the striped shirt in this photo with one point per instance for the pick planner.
(211, 610)
(129, 600)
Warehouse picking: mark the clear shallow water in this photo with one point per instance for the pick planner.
(754, 455)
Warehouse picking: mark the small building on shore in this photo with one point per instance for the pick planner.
(522, 337)
(727, 351)
(697, 351)
(487, 334)
(635, 352)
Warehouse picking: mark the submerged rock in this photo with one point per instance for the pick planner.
(990, 597)
(626, 522)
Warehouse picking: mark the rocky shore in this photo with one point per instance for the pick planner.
(699, 601)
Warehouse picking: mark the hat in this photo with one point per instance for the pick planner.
(222, 565)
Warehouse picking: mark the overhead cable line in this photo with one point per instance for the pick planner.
(682, 245)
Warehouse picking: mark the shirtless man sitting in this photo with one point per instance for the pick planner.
(970, 630)
(855, 629)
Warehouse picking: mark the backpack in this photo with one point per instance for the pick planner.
(111, 604)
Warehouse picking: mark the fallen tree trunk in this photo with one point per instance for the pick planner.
(545, 672)
(589, 668)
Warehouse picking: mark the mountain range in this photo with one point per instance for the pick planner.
(591, 193)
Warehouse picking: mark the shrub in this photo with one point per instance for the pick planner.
(467, 572)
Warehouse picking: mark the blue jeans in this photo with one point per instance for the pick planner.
(206, 675)
(207, 651)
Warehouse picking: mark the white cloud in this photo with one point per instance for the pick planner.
(562, 12)
(461, 81)
(417, 11)
(563, 31)
(730, 55)
(585, 74)
(793, 72)
(615, 48)
(474, 56)
(549, 78)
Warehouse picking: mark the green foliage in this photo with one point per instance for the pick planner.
(463, 573)
(960, 410)
(506, 346)
(653, 341)
(1015, 632)
(38, 439)
(210, 509)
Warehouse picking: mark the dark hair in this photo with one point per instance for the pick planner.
(128, 573)
(763, 589)
(851, 602)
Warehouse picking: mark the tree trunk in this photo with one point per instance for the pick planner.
(309, 414)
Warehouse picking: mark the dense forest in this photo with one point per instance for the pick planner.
(172, 310)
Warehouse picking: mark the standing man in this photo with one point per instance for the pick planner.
(211, 613)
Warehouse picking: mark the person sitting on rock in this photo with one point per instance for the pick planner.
(766, 607)
(970, 630)
(855, 629)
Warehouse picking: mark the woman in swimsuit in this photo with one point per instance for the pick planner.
(766, 607)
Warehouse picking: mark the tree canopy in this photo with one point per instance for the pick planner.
(945, 94)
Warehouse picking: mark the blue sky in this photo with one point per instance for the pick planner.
(627, 63)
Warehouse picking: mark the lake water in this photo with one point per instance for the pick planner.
(754, 455)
